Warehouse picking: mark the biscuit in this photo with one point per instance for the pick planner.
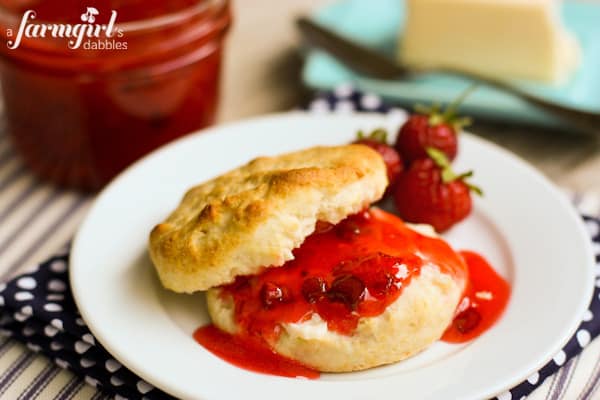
(416, 319)
(254, 216)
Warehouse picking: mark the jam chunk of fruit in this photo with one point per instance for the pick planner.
(341, 272)
(347, 289)
(467, 320)
(313, 289)
(272, 294)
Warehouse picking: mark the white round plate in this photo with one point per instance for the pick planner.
(523, 225)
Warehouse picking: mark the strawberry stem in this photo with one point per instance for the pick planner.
(438, 156)
(452, 109)
(448, 175)
(438, 116)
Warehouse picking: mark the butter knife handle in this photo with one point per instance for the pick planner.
(373, 64)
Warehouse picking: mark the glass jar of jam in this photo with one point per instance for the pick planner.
(89, 87)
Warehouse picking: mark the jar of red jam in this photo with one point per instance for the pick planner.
(89, 87)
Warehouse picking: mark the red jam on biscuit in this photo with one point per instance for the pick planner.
(344, 272)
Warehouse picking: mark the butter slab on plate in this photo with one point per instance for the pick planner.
(378, 23)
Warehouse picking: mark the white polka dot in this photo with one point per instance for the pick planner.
(319, 106)
(2, 286)
(61, 363)
(91, 381)
(370, 101)
(28, 331)
(50, 331)
(396, 116)
(115, 381)
(505, 396)
(86, 362)
(583, 337)
(344, 90)
(88, 338)
(593, 228)
(52, 307)
(80, 322)
(19, 316)
(598, 285)
(112, 365)
(144, 387)
(596, 247)
(56, 346)
(26, 283)
(587, 316)
(57, 323)
(33, 347)
(597, 269)
(344, 107)
(27, 310)
(560, 358)
(55, 297)
(534, 378)
(119, 397)
(1, 300)
(58, 266)
(56, 285)
(5, 332)
(81, 347)
(23, 296)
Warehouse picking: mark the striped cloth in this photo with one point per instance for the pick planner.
(36, 220)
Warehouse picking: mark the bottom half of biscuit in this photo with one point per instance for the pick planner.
(416, 319)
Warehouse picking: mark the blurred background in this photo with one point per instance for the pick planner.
(79, 116)
(267, 77)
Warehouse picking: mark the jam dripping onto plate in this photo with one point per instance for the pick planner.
(250, 354)
(483, 302)
(342, 273)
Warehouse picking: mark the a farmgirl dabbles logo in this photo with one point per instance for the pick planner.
(87, 35)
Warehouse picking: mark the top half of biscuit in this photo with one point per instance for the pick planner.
(254, 216)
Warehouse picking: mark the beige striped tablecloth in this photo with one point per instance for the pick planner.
(37, 219)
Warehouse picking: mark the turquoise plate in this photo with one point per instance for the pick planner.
(377, 23)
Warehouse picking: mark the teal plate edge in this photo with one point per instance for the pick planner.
(376, 24)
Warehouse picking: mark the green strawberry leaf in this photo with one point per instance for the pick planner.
(448, 175)
(378, 134)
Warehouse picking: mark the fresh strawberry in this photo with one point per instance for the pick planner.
(432, 127)
(430, 193)
(420, 131)
(377, 140)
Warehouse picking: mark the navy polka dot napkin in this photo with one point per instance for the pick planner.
(38, 310)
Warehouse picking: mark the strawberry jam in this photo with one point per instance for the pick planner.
(249, 353)
(484, 301)
(342, 273)
(80, 115)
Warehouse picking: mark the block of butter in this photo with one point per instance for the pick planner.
(496, 38)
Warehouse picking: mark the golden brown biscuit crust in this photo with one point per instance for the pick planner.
(254, 216)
